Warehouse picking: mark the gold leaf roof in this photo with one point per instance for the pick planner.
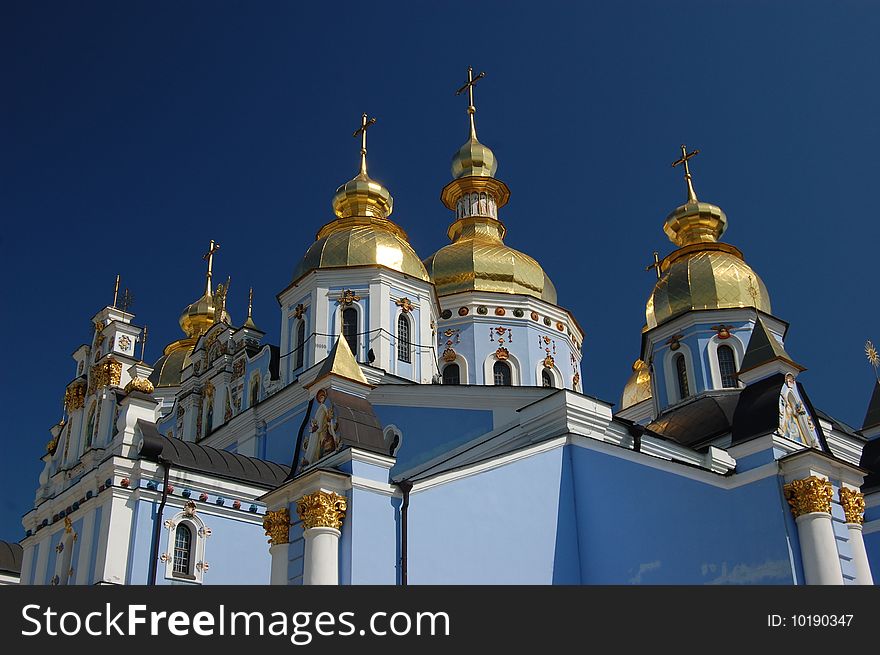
(638, 386)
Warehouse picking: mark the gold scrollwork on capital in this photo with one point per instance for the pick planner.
(106, 373)
(853, 503)
(139, 384)
(812, 494)
(75, 396)
(277, 526)
(321, 510)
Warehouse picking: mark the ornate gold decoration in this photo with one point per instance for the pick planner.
(68, 525)
(673, 341)
(139, 384)
(220, 301)
(51, 446)
(124, 342)
(277, 526)
(502, 353)
(575, 380)
(189, 509)
(405, 304)
(299, 310)
(347, 297)
(873, 358)
(638, 387)
(549, 362)
(322, 510)
(105, 373)
(75, 396)
(853, 503)
(449, 355)
(722, 330)
(811, 494)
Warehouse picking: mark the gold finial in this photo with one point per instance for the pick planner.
(754, 292)
(685, 155)
(469, 87)
(143, 343)
(220, 300)
(873, 357)
(209, 257)
(362, 131)
(655, 265)
(250, 319)
(116, 291)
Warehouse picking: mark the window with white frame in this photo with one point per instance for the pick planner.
(185, 556)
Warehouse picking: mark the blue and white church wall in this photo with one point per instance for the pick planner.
(365, 302)
(693, 340)
(539, 343)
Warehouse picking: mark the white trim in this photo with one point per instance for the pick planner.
(489, 369)
(670, 374)
(199, 533)
(555, 375)
(462, 369)
(715, 366)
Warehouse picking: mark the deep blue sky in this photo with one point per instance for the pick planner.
(134, 132)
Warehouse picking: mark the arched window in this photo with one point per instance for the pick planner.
(547, 378)
(682, 373)
(403, 346)
(501, 372)
(182, 549)
(300, 345)
(255, 389)
(350, 329)
(452, 374)
(727, 366)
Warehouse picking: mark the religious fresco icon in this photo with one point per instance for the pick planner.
(322, 438)
(795, 422)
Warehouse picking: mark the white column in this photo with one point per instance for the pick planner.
(860, 555)
(819, 549)
(85, 548)
(321, 559)
(321, 514)
(26, 560)
(810, 500)
(113, 545)
(280, 556)
(40, 573)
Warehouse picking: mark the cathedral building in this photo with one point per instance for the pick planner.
(425, 421)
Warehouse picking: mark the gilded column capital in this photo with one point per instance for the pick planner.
(812, 494)
(853, 503)
(75, 396)
(321, 510)
(277, 526)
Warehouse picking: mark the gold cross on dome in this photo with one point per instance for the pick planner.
(469, 87)
(685, 156)
(655, 265)
(209, 257)
(362, 131)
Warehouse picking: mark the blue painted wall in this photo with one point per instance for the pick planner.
(640, 525)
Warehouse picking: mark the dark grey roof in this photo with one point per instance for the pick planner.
(871, 462)
(357, 423)
(839, 425)
(872, 417)
(763, 347)
(699, 420)
(10, 557)
(204, 459)
(757, 413)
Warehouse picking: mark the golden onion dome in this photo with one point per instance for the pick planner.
(198, 317)
(702, 273)
(478, 260)
(362, 234)
(638, 386)
(473, 158)
(168, 369)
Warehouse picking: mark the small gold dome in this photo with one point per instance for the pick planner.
(168, 369)
(474, 159)
(362, 196)
(478, 260)
(375, 242)
(704, 276)
(638, 387)
(198, 317)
